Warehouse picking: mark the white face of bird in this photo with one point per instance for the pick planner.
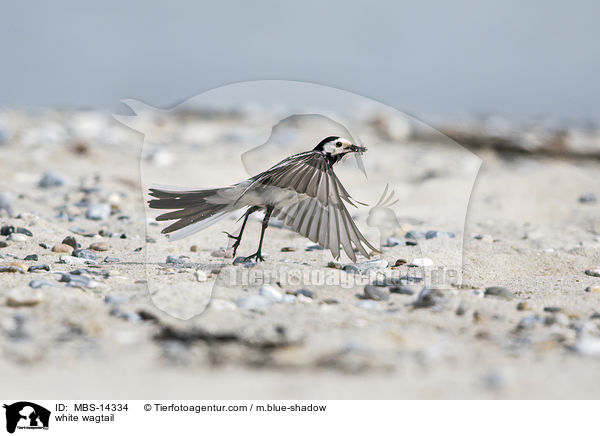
(338, 145)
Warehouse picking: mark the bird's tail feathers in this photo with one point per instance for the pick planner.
(194, 209)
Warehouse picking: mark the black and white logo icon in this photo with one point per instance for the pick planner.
(26, 415)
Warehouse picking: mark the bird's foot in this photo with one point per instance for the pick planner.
(236, 244)
(256, 256)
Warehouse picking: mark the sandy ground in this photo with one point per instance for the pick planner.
(138, 327)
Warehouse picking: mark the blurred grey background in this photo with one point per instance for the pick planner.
(514, 58)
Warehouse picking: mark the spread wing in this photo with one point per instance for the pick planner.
(317, 211)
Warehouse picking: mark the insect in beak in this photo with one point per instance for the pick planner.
(358, 148)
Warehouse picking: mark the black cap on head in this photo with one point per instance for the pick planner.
(319, 147)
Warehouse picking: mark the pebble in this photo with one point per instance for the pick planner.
(85, 254)
(552, 309)
(523, 305)
(71, 260)
(313, 247)
(223, 252)
(485, 238)
(200, 276)
(306, 292)
(99, 246)
(528, 322)
(254, 302)
(330, 301)
(12, 269)
(98, 211)
(125, 315)
(351, 269)
(500, 292)
(35, 283)
(587, 346)
(43, 267)
(558, 318)
(594, 272)
(62, 248)
(194, 248)
(220, 304)
(335, 265)
(376, 293)
(594, 288)
(303, 299)
(18, 237)
(429, 297)
(76, 280)
(270, 293)
(174, 260)
(368, 305)
(23, 297)
(392, 242)
(400, 262)
(44, 245)
(109, 259)
(24, 231)
(288, 249)
(422, 262)
(462, 308)
(3, 244)
(588, 198)
(50, 179)
(434, 234)
(33, 257)
(402, 290)
(7, 230)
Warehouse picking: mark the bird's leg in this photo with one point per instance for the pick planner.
(258, 256)
(238, 238)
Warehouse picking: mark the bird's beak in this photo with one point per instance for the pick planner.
(358, 148)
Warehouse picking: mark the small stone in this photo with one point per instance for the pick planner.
(500, 292)
(7, 230)
(33, 257)
(462, 308)
(23, 297)
(194, 248)
(587, 346)
(313, 247)
(125, 315)
(594, 288)
(306, 292)
(44, 267)
(12, 269)
(35, 283)
(222, 252)
(220, 304)
(44, 245)
(99, 246)
(430, 234)
(240, 260)
(270, 292)
(400, 262)
(85, 254)
(335, 265)
(3, 244)
(588, 198)
(423, 262)
(353, 269)
(62, 248)
(200, 276)
(376, 293)
(429, 297)
(98, 211)
(368, 305)
(411, 243)
(174, 260)
(109, 259)
(392, 242)
(303, 299)
(76, 280)
(19, 265)
(288, 249)
(594, 272)
(71, 260)
(254, 302)
(485, 238)
(552, 309)
(330, 301)
(402, 290)
(523, 305)
(50, 179)
(24, 231)
(18, 237)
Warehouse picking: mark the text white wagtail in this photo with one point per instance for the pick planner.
(301, 190)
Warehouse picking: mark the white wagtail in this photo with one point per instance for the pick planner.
(301, 190)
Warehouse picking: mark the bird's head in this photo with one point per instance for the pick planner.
(335, 145)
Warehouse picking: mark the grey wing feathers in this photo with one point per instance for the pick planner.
(322, 216)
